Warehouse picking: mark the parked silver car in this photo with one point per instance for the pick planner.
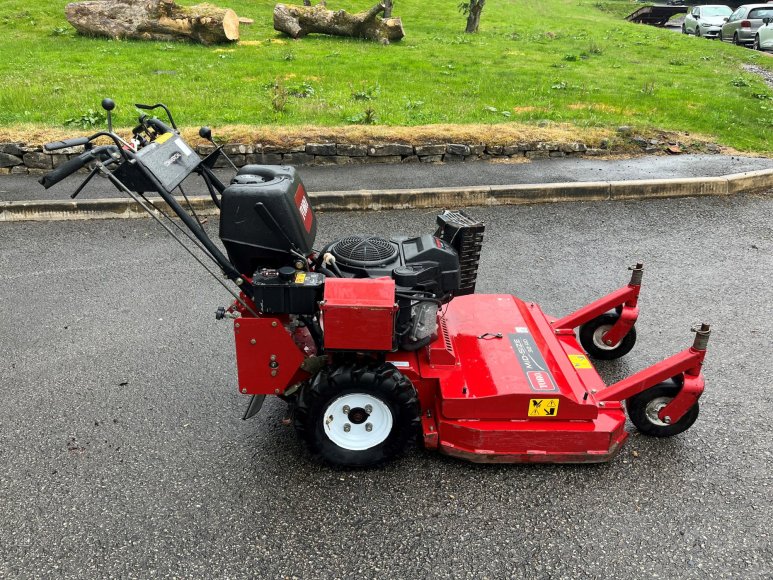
(741, 27)
(706, 20)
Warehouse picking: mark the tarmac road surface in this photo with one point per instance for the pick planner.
(123, 453)
(413, 175)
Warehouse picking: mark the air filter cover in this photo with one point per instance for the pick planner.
(364, 251)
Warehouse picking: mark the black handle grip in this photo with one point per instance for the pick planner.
(66, 169)
(74, 142)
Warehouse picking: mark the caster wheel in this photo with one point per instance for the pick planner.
(358, 416)
(643, 411)
(591, 333)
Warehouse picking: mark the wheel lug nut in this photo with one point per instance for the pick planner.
(347, 427)
(346, 409)
(368, 427)
(368, 409)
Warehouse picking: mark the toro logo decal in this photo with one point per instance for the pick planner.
(541, 381)
(532, 364)
(172, 159)
(304, 208)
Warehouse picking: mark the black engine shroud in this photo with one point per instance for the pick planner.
(422, 263)
(268, 229)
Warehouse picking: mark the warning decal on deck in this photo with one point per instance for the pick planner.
(543, 407)
(580, 361)
(531, 361)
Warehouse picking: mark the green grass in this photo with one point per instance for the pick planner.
(573, 61)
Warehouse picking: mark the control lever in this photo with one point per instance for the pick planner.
(108, 105)
(206, 133)
(159, 106)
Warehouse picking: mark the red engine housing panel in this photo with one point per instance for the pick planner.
(359, 314)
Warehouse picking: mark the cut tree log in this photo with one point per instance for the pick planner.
(298, 21)
(154, 20)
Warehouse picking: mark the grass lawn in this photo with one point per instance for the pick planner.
(568, 61)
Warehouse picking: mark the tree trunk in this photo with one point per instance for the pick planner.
(473, 15)
(154, 20)
(298, 21)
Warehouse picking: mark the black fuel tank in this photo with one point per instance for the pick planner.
(265, 213)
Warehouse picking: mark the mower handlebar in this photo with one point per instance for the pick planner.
(159, 126)
(76, 163)
(74, 142)
(158, 106)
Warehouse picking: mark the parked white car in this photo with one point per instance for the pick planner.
(763, 40)
(741, 27)
(706, 20)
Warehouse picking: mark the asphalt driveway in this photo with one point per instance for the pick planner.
(123, 453)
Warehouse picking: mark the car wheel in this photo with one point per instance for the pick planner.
(698, 31)
(684, 29)
(756, 43)
(735, 39)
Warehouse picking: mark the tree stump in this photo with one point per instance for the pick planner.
(298, 21)
(154, 20)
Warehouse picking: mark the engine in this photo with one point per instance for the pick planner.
(268, 229)
(425, 270)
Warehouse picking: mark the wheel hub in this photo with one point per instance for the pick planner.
(358, 415)
(654, 407)
(358, 421)
(598, 336)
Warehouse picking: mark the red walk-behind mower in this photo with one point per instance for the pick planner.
(376, 342)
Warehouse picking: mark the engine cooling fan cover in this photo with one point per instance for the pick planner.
(364, 251)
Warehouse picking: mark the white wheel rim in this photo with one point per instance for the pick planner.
(597, 336)
(654, 407)
(357, 421)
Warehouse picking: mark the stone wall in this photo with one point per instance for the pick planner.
(18, 158)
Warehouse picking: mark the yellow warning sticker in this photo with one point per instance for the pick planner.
(543, 407)
(163, 138)
(300, 277)
(580, 361)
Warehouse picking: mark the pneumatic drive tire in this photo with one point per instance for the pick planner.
(590, 338)
(358, 415)
(643, 411)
